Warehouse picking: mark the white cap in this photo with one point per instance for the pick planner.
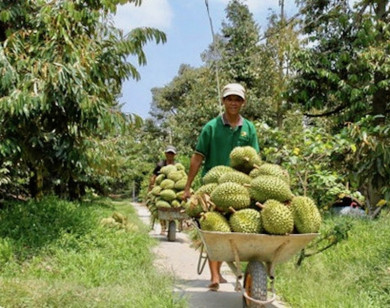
(170, 149)
(233, 89)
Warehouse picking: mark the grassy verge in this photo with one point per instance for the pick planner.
(355, 273)
(57, 254)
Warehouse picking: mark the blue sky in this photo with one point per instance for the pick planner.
(187, 27)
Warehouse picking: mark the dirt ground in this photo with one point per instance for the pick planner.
(181, 261)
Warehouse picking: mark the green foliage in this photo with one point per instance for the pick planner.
(37, 224)
(307, 153)
(344, 73)
(62, 67)
(183, 106)
(331, 234)
(369, 158)
(352, 273)
(61, 256)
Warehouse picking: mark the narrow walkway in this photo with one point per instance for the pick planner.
(181, 261)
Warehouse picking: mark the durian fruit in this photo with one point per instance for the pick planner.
(156, 190)
(236, 177)
(168, 195)
(206, 189)
(271, 169)
(245, 221)
(167, 184)
(214, 221)
(180, 184)
(307, 217)
(179, 166)
(266, 187)
(177, 175)
(195, 206)
(244, 158)
(175, 203)
(119, 217)
(159, 179)
(162, 203)
(179, 195)
(276, 218)
(214, 173)
(166, 170)
(230, 194)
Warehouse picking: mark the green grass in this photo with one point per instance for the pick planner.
(354, 273)
(55, 253)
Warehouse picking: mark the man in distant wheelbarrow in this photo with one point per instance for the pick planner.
(217, 139)
(170, 153)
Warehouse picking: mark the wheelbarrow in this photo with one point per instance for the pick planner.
(261, 251)
(171, 215)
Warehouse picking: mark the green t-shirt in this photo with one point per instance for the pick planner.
(217, 139)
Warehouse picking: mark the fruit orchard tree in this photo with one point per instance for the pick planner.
(344, 74)
(62, 64)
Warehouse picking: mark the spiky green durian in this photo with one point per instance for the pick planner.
(206, 189)
(159, 179)
(180, 166)
(230, 194)
(162, 203)
(176, 175)
(307, 217)
(244, 158)
(156, 190)
(175, 203)
(214, 221)
(168, 169)
(236, 177)
(194, 206)
(266, 187)
(214, 173)
(276, 218)
(181, 184)
(246, 221)
(168, 195)
(271, 169)
(167, 184)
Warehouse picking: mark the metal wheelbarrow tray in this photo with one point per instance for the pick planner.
(171, 214)
(261, 251)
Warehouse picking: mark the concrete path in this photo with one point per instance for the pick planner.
(181, 261)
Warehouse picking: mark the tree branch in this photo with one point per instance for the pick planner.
(325, 114)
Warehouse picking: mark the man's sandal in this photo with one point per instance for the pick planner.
(214, 286)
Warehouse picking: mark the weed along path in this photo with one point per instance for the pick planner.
(181, 261)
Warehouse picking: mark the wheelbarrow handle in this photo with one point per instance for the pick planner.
(202, 260)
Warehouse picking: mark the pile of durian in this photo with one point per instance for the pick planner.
(251, 196)
(168, 189)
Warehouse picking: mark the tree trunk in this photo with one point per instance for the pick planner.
(36, 182)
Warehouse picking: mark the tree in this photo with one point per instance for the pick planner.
(245, 60)
(62, 65)
(281, 40)
(344, 73)
(185, 105)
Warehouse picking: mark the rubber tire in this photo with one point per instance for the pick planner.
(172, 231)
(255, 283)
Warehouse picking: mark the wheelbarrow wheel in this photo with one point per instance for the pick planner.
(172, 231)
(255, 284)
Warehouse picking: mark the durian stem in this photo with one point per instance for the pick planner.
(203, 204)
(260, 205)
(212, 206)
(232, 209)
(256, 166)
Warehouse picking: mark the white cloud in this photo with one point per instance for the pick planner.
(256, 6)
(151, 13)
